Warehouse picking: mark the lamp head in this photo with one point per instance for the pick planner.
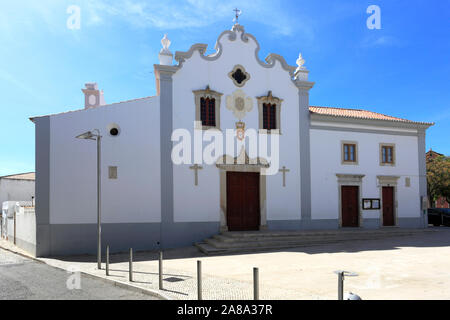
(87, 136)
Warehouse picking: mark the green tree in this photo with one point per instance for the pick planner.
(438, 178)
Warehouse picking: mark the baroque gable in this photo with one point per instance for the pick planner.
(237, 33)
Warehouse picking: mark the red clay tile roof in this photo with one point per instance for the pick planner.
(358, 114)
(21, 176)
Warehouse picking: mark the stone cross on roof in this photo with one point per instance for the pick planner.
(238, 13)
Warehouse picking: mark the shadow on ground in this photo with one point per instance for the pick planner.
(439, 238)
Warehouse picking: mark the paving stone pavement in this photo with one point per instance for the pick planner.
(410, 267)
(178, 284)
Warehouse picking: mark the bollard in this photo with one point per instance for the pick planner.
(160, 270)
(341, 276)
(131, 265)
(255, 284)
(15, 227)
(341, 285)
(107, 260)
(199, 280)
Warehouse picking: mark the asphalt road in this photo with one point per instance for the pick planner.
(25, 279)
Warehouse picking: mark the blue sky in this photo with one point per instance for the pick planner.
(403, 69)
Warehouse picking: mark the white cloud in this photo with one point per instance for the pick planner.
(31, 16)
(168, 14)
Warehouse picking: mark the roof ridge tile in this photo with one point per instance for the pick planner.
(359, 114)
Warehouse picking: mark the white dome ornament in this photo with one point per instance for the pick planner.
(239, 104)
(300, 62)
(301, 73)
(165, 56)
(165, 44)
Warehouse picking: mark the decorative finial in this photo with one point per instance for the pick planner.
(300, 62)
(166, 44)
(165, 56)
(238, 13)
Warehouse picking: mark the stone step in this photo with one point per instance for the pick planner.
(208, 249)
(293, 240)
(227, 239)
(258, 234)
(242, 242)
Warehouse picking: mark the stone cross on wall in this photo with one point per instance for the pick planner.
(196, 167)
(284, 171)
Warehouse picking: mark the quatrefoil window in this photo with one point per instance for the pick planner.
(239, 75)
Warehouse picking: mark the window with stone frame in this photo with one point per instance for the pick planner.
(387, 154)
(269, 108)
(349, 152)
(207, 108)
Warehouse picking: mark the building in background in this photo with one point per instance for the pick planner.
(17, 187)
(17, 196)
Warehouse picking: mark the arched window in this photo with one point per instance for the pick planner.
(269, 116)
(207, 109)
(269, 113)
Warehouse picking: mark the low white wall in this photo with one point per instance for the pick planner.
(25, 229)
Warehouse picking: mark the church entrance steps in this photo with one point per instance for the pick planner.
(236, 242)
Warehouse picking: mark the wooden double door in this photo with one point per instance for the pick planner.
(350, 206)
(243, 209)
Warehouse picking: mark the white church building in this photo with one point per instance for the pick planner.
(326, 168)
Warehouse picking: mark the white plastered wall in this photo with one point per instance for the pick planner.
(16, 190)
(202, 202)
(135, 196)
(326, 163)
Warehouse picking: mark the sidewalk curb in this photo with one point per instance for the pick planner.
(119, 284)
(129, 286)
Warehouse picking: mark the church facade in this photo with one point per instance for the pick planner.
(323, 167)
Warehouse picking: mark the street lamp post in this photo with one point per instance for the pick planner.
(96, 136)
